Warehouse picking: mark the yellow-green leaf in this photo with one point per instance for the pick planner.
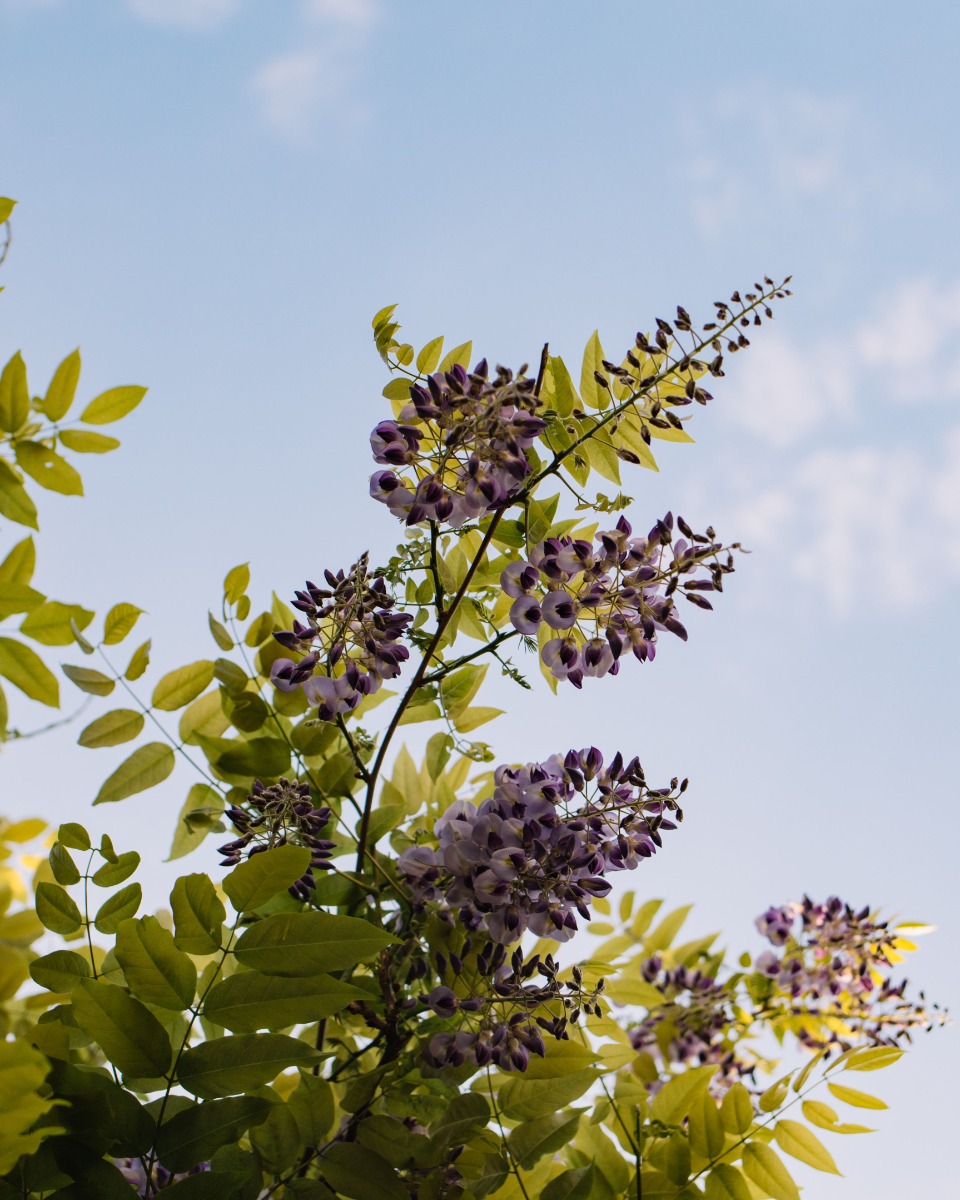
(726, 1183)
(48, 468)
(130, 1035)
(855, 1098)
(118, 623)
(797, 1140)
(6, 208)
(27, 671)
(763, 1167)
(89, 680)
(458, 356)
(52, 623)
(873, 1058)
(118, 908)
(112, 404)
(85, 441)
(14, 395)
(255, 881)
(139, 661)
(179, 687)
(15, 503)
(112, 729)
(220, 634)
(17, 598)
(145, 768)
(236, 583)
(20, 563)
(63, 388)
(155, 970)
(57, 909)
(200, 813)
(429, 356)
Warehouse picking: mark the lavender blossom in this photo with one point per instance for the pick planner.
(458, 449)
(350, 645)
(535, 853)
(612, 598)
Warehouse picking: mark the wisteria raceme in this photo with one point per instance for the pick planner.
(535, 853)
(611, 598)
(350, 644)
(279, 815)
(833, 959)
(458, 449)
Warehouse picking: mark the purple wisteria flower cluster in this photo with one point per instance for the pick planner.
(458, 449)
(690, 1026)
(350, 644)
(278, 815)
(506, 1025)
(611, 598)
(535, 853)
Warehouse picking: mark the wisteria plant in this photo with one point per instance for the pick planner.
(398, 979)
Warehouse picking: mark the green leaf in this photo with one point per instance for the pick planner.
(736, 1110)
(529, 1099)
(118, 908)
(20, 563)
(192, 1135)
(594, 396)
(53, 623)
(146, 767)
(706, 1128)
(200, 813)
(466, 1115)
(458, 689)
(249, 1001)
(48, 469)
(247, 759)
(228, 1065)
(198, 914)
(179, 687)
(357, 1173)
(26, 671)
(771, 1099)
(236, 583)
(459, 355)
(211, 1185)
(112, 729)
(118, 623)
(139, 662)
(112, 404)
(855, 1098)
(429, 356)
(220, 634)
(762, 1167)
(665, 933)
(312, 1106)
(60, 971)
(57, 910)
(73, 835)
(531, 1140)
(797, 1140)
(112, 873)
(15, 504)
(14, 395)
(472, 718)
(155, 970)
(873, 1058)
(726, 1183)
(130, 1035)
(6, 208)
(309, 942)
(261, 877)
(17, 598)
(63, 388)
(64, 869)
(680, 1095)
(85, 441)
(89, 680)
(565, 398)
(574, 1184)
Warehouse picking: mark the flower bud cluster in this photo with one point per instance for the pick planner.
(535, 853)
(135, 1173)
(691, 1024)
(458, 449)
(505, 1032)
(833, 960)
(350, 642)
(611, 598)
(279, 815)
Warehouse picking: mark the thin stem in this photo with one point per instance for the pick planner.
(503, 1138)
(489, 648)
(442, 624)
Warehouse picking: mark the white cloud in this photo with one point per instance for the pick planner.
(358, 13)
(295, 91)
(914, 341)
(184, 14)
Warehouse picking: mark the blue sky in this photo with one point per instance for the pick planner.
(216, 195)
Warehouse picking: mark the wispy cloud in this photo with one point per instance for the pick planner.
(193, 15)
(296, 91)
